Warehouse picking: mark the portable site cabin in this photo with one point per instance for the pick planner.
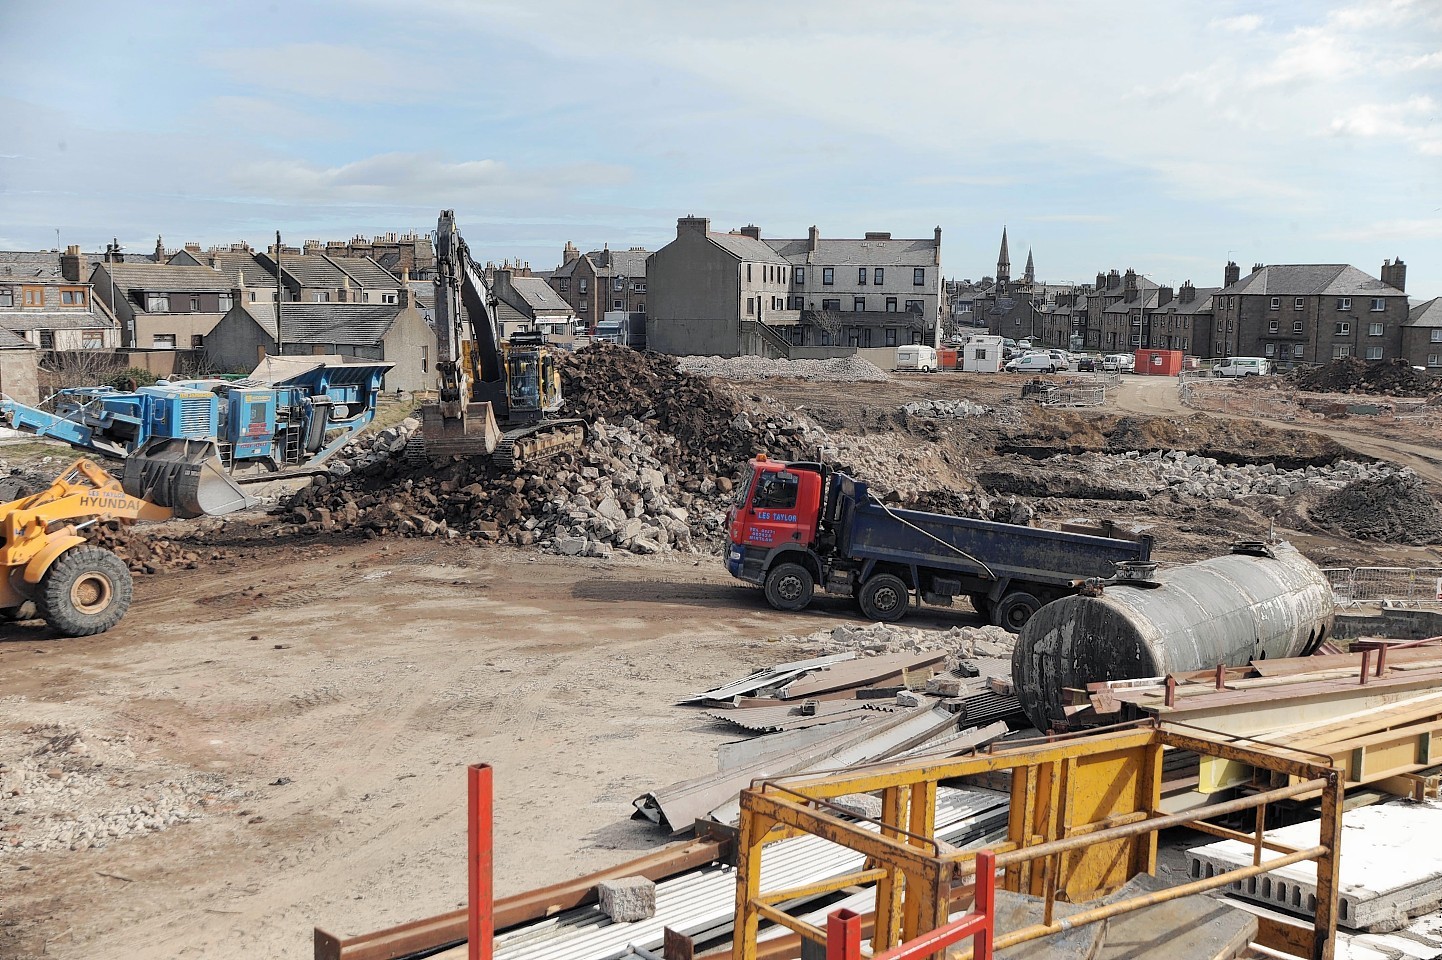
(982, 355)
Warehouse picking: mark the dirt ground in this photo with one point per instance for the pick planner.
(278, 738)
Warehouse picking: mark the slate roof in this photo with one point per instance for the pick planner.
(166, 278)
(1311, 279)
(743, 247)
(1146, 299)
(860, 253)
(13, 341)
(1201, 304)
(235, 265)
(539, 295)
(624, 263)
(566, 269)
(54, 320)
(352, 324)
(366, 273)
(1427, 314)
(423, 293)
(307, 269)
(28, 265)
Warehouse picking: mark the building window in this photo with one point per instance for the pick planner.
(1344, 328)
(638, 286)
(1137, 318)
(1273, 326)
(890, 304)
(1374, 353)
(163, 341)
(858, 304)
(616, 304)
(915, 306)
(1271, 350)
(7, 297)
(47, 339)
(618, 284)
(197, 340)
(1297, 350)
(1298, 304)
(798, 276)
(1341, 350)
(72, 298)
(585, 285)
(157, 303)
(878, 275)
(833, 305)
(1436, 336)
(748, 273)
(322, 296)
(1276, 303)
(1434, 359)
(252, 296)
(388, 298)
(92, 339)
(194, 303)
(891, 336)
(1296, 326)
(750, 306)
(828, 276)
(1375, 329)
(1136, 339)
(33, 296)
(583, 305)
(224, 302)
(565, 284)
(861, 276)
(640, 308)
(1378, 304)
(918, 277)
(1344, 303)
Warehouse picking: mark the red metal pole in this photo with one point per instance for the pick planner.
(843, 935)
(985, 905)
(481, 927)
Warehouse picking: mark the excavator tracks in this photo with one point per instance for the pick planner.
(539, 444)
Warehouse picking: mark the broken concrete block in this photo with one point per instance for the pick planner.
(908, 699)
(627, 899)
(944, 686)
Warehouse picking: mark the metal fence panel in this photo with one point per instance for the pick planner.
(1413, 586)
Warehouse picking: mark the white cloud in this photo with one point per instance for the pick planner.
(1414, 122)
(1244, 23)
(325, 71)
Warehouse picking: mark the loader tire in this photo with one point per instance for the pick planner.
(789, 586)
(1014, 610)
(884, 598)
(85, 592)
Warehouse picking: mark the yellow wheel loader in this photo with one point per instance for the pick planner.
(78, 588)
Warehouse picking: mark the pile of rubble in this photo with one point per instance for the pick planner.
(60, 792)
(851, 369)
(143, 552)
(1395, 378)
(1394, 507)
(1141, 476)
(944, 409)
(878, 639)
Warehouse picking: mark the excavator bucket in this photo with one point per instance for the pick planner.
(475, 434)
(187, 476)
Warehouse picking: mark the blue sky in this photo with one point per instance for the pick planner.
(1166, 137)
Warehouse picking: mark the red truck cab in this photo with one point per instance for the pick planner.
(778, 509)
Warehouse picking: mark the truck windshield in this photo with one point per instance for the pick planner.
(776, 491)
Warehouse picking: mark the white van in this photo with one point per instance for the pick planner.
(1243, 367)
(916, 356)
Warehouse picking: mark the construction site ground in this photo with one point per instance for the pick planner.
(301, 709)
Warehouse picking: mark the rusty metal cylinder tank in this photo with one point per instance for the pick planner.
(1261, 601)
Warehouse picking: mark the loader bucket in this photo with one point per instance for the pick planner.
(185, 475)
(476, 433)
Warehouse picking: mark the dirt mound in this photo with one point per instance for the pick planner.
(1395, 509)
(143, 552)
(1393, 378)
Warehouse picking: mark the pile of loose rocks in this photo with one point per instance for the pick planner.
(68, 789)
(876, 639)
(1394, 507)
(145, 553)
(851, 369)
(944, 409)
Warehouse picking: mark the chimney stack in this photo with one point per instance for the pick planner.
(70, 262)
(1114, 280)
(159, 250)
(699, 225)
(192, 247)
(878, 235)
(1129, 284)
(1188, 293)
(1394, 274)
(1233, 273)
(1257, 267)
(1101, 280)
(1164, 296)
(343, 295)
(501, 285)
(569, 253)
(813, 236)
(936, 257)
(752, 231)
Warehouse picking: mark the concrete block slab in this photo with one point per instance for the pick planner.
(627, 899)
(1199, 927)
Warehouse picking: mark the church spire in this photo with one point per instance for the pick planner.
(1003, 261)
(1030, 274)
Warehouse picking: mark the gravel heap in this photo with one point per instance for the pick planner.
(1392, 508)
(944, 409)
(60, 790)
(1395, 378)
(851, 369)
(876, 639)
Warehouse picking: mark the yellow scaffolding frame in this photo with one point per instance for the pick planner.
(1084, 817)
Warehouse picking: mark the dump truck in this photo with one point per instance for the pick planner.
(799, 526)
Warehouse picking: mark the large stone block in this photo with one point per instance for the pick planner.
(627, 899)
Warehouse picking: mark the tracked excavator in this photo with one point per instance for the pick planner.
(187, 449)
(497, 398)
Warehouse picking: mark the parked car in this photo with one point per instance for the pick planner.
(1119, 363)
(1032, 363)
(1086, 363)
(1243, 367)
(1062, 358)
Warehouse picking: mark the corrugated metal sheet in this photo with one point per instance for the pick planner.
(705, 899)
(769, 677)
(788, 716)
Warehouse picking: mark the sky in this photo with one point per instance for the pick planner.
(1165, 137)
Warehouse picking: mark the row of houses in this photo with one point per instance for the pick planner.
(1290, 313)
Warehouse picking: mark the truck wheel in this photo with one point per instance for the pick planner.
(981, 603)
(789, 586)
(1014, 610)
(86, 591)
(885, 598)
